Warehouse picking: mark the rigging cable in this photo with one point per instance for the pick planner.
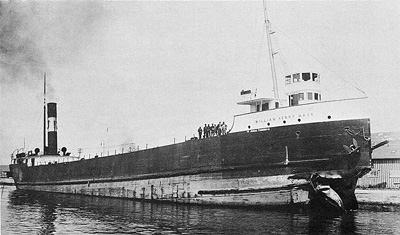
(325, 26)
(355, 86)
(67, 140)
(282, 57)
(34, 132)
(258, 65)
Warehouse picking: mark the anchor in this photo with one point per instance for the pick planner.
(354, 148)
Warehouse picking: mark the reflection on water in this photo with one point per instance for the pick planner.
(44, 213)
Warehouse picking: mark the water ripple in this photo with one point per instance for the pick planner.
(46, 213)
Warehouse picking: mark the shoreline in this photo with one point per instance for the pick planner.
(378, 199)
(7, 181)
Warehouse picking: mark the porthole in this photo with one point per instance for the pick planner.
(284, 121)
(268, 124)
(329, 117)
(299, 120)
(249, 127)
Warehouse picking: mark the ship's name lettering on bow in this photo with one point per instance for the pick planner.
(284, 117)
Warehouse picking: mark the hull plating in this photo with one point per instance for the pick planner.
(266, 167)
(200, 189)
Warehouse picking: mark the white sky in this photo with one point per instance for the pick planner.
(154, 71)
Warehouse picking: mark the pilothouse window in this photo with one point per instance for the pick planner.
(305, 76)
(296, 77)
(288, 79)
(315, 77)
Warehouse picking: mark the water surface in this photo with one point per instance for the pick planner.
(25, 212)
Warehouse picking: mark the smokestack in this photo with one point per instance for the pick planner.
(52, 128)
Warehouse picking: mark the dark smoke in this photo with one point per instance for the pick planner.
(35, 36)
(20, 55)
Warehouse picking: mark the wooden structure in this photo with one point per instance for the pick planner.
(386, 163)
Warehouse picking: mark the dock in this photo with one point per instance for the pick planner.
(378, 196)
(378, 199)
(6, 181)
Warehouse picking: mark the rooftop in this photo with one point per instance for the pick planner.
(4, 168)
(390, 150)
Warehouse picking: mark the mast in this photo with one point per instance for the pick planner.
(44, 114)
(271, 53)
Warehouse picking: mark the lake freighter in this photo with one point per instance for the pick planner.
(299, 150)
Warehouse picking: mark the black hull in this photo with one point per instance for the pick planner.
(296, 151)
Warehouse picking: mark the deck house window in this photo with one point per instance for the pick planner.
(309, 95)
(316, 96)
(265, 106)
(296, 77)
(305, 76)
(301, 96)
(294, 99)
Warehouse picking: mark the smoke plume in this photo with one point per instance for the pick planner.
(34, 35)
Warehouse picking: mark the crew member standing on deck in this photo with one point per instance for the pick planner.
(200, 132)
(211, 130)
(224, 128)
